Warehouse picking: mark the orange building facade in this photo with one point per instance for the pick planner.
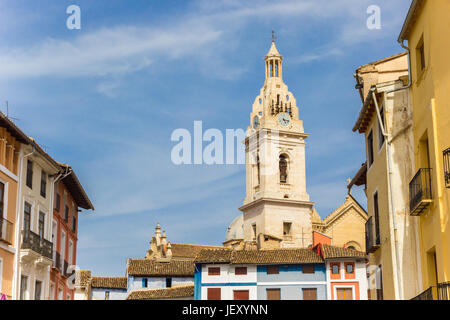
(68, 198)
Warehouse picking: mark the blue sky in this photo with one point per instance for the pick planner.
(106, 99)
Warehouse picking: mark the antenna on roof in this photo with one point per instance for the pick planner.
(7, 112)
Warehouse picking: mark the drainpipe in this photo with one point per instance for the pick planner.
(391, 198)
(409, 69)
(18, 230)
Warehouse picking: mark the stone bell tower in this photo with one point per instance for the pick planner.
(276, 205)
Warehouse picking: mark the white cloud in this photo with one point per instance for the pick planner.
(204, 31)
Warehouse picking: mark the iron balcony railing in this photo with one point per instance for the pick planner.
(33, 241)
(439, 292)
(6, 231)
(420, 194)
(372, 237)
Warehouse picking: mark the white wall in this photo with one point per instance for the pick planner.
(114, 294)
(360, 277)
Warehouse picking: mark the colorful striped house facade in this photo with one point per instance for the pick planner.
(281, 274)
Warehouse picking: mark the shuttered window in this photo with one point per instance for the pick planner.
(240, 295)
(214, 271)
(273, 294)
(213, 294)
(272, 270)
(309, 293)
(309, 268)
(240, 271)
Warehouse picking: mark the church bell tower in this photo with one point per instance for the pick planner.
(276, 205)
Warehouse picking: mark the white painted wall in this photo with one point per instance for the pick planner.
(227, 274)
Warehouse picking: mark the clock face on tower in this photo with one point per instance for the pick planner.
(255, 122)
(284, 119)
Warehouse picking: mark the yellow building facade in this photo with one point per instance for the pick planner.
(426, 32)
(11, 140)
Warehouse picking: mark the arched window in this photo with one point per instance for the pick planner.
(283, 168)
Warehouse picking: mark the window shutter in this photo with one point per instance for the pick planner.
(273, 294)
(308, 268)
(309, 294)
(214, 271)
(272, 270)
(240, 270)
(213, 294)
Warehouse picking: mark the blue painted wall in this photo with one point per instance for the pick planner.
(291, 273)
(198, 282)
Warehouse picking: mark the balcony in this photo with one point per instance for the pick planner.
(6, 231)
(372, 238)
(439, 292)
(33, 241)
(420, 195)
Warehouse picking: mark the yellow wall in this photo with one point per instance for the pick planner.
(430, 91)
(9, 149)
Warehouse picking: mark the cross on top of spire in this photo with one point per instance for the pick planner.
(273, 36)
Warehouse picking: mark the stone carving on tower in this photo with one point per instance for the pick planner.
(276, 207)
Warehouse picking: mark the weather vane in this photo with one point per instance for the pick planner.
(273, 36)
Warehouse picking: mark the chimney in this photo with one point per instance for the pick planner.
(169, 251)
(158, 234)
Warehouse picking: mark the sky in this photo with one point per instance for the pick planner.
(106, 98)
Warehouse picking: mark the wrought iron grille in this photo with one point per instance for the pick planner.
(447, 167)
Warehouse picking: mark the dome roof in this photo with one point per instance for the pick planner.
(235, 229)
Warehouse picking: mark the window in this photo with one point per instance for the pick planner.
(74, 223)
(23, 287)
(254, 231)
(349, 267)
(54, 233)
(258, 168)
(214, 271)
(168, 282)
(335, 268)
(43, 183)
(309, 293)
(309, 268)
(344, 293)
(29, 181)
(41, 225)
(66, 213)
(106, 295)
(283, 169)
(421, 55)
(56, 195)
(144, 283)
(287, 230)
(27, 219)
(240, 295)
(272, 270)
(213, 294)
(63, 248)
(70, 253)
(240, 271)
(2, 196)
(370, 148)
(381, 137)
(376, 217)
(37, 290)
(273, 294)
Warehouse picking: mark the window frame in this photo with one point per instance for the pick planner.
(212, 271)
(370, 152)
(272, 269)
(335, 264)
(29, 174)
(309, 268)
(242, 271)
(43, 191)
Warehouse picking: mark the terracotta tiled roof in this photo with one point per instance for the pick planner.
(109, 282)
(182, 250)
(170, 293)
(330, 252)
(214, 256)
(274, 256)
(174, 268)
